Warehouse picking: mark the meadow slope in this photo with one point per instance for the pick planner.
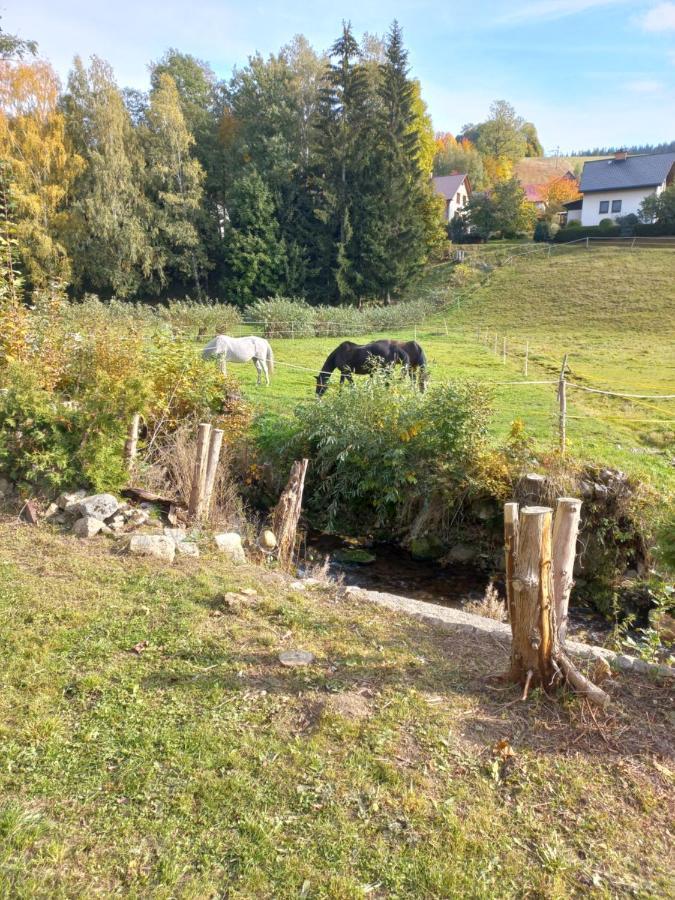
(612, 310)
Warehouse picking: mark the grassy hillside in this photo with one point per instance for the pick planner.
(538, 170)
(153, 746)
(611, 310)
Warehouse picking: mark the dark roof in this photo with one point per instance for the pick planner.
(619, 174)
(448, 185)
(574, 204)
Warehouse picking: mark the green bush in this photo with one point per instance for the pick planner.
(605, 224)
(576, 232)
(387, 459)
(281, 317)
(541, 232)
(200, 319)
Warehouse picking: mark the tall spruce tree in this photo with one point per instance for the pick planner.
(340, 158)
(174, 187)
(109, 227)
(396, 235)
(255, 255)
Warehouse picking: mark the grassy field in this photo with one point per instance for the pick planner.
(152, 746)
(611, 310)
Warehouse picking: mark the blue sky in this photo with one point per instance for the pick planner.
(586, 72)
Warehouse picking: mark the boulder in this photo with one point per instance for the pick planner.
(68, 501)
(100, 506)
(87, 527)
(117, 523)
(136, 518)
(186, 548)
(461, 553)
(293, 658)
(229, 543)
(268, 539)
(158, 545)
(427, 547)
(52, 512)
(177, 535)
(354, 556)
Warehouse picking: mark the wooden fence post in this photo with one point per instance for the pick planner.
(495, 347)
(565, 532)
(199, 471)
(287, 513)
(531, 592)
(527, 354)
(504, 351)
(131, 443)
(562, 401)
(215, 444)
(510, 550)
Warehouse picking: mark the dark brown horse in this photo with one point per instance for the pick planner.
(363, 359)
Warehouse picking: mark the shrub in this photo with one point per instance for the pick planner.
(387, 459)
(541, 232)
(200, 319)
(605, 224)
(577, 232)
(575, 223)
(281, 317)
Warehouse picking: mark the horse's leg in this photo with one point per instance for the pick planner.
(222, 359)
(256, 363)
(265, 372)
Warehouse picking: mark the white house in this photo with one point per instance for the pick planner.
(617, 186)
(572, 211)
(455, 190)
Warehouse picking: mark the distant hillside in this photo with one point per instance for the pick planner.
(540, 169)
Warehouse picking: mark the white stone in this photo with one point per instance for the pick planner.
(101, 506)
(296, 586)
(67, 500)
(153, 545)
(136, 518)
(177, 535)
(268, 539)
(292, 658)
(186, 548)
(52, 512)
(87, 527)
(229, 542)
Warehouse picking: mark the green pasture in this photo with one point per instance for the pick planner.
(613, 312)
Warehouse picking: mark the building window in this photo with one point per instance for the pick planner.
(464, 199)
(616, 206)
(604, 206)
(459, 199)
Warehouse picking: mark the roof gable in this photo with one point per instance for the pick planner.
(448, 185)
(632, 172)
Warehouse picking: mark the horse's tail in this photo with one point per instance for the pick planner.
(270, 360)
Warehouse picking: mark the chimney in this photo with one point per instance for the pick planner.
(621, 154)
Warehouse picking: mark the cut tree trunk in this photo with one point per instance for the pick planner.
(565, 532)
(287, 513)
(199, 471)
(131, 443)
(511, 550)
(212, 468)
(531, 622)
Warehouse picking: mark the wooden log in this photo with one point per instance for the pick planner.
(580, 683)
(565, 533)
(199, 471)
(287, 513)
(531, 598)
(131, 443)
(510, 550)
(215, 445)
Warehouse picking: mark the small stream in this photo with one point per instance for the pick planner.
(396, 572)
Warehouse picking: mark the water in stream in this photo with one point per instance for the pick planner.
(396, 572)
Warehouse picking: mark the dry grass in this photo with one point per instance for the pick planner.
(490, 605)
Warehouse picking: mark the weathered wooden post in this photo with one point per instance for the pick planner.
(565, 532)
(562, 401)
(287, 512)
(510, 550)
(495, 346)
(131, 443)
(199, 471)
(527, 356)
(213, 458)
(531, 593)
(504, 351)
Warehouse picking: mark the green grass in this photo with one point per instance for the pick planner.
(611, 310)
(199, 767)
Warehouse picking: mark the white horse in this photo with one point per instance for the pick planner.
(241, 350)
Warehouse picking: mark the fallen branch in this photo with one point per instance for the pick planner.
(580, 683)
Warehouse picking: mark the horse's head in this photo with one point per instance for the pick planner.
(321, 383)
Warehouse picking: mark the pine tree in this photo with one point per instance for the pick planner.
(108, 233)
(341, 160)
(174, 187)
(255, 254)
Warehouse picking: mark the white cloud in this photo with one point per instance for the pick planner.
(554, 9)
(644, 86)
(660, 18)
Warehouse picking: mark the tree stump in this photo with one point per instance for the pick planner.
(287, 513)
(565, 533)
(199, 472)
